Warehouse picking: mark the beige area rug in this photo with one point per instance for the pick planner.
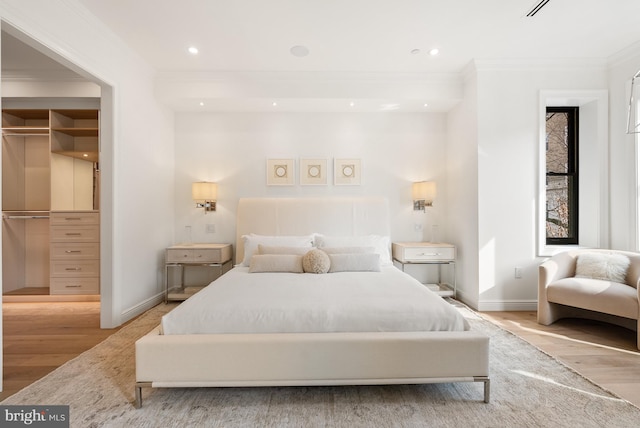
(528, 389)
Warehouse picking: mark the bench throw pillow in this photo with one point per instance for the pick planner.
(605, 266)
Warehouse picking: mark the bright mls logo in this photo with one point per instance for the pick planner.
(34, 416)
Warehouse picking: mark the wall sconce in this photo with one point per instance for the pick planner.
(205, 195)
(424, 192)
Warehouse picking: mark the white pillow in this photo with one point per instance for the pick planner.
(276, 263)
(252, 241)
(265, 249)
(604, 266)
(348, 250)
(362, 262)
(380, 244)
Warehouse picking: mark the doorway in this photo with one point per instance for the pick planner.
(43, 64)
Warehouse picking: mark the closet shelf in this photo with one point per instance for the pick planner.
(78, 132)
(22, 130)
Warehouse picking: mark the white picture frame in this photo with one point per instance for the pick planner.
(280, 172)
(313, 172)
(347, 172)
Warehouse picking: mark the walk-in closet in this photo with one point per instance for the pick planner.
(50, 201)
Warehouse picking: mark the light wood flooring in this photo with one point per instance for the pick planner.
(39, 337)
(604, 353)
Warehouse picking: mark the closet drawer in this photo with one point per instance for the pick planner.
(75, 233)
(74, 286)
(74, 218)
(75, 268)
(75, 251)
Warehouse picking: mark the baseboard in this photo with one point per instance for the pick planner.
(142, 307)
(507, 305)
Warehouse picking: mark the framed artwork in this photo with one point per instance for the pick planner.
(313, 172)
(347, 172)
(280, 172)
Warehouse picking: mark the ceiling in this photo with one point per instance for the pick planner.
(390, 39)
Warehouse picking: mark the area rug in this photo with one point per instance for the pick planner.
(528, 389)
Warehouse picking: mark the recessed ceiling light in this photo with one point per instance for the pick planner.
(193, 50)
(201, 103)
(426, 105)
(274, 104)
(415, 51)
(351, 104)
(85, 155)
(299, 51)
(434, 51)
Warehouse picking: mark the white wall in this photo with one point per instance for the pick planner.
(137, 149)
(462, 179)
(623, 153)
(231, 149)
(508, 142)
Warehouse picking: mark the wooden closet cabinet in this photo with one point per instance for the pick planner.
(75, 252)
(50, 178)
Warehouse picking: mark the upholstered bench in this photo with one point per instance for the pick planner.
(593, 284)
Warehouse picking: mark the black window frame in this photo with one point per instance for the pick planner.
(572, 172)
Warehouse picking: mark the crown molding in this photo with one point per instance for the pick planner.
(41, 76)
(305, 76)
(540, 64)
(629, 54)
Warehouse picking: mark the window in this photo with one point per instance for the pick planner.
(562, 176)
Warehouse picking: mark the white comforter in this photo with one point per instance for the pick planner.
(243, 302)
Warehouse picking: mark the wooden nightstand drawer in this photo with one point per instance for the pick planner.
(74, 286)
(74, 218)
(213, 253)
(423, 252)
(75, 268)
(75, 233)
(75, 250)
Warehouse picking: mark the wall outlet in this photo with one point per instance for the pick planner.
(211, 228)
(518, 272)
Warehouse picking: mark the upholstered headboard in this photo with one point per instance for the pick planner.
(301, 216)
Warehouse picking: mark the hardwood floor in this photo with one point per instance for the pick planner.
(39, 337)
(604, 353)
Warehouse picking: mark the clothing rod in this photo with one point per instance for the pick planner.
(24, 135)
(23, 217)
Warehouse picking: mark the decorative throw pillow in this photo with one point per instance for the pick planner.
(276, 263)
(363, 262)
(252, 241)
(381, 244)
(316, 261)
(605, 266)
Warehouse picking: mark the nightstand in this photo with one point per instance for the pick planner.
(430, 253)
(214, 256)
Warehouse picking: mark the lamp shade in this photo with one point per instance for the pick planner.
(424, 191)
(204, 191)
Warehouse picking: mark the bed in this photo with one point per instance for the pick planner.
(325, 347)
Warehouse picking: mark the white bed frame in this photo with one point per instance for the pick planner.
(295, 359)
